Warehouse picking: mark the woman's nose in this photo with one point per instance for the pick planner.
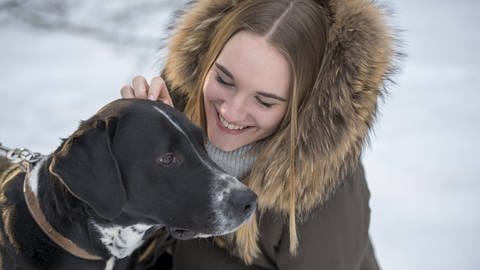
(235, 108)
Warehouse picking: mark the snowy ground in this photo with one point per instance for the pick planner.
(423, 165)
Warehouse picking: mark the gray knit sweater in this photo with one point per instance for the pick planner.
(237, 162)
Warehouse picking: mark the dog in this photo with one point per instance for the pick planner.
(134, 167)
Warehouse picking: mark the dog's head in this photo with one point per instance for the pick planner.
(143, 161)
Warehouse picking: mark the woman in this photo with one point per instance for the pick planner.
(286, 91)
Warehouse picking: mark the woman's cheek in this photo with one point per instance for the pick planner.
(210, 88)
(213, 91)
(275, 118)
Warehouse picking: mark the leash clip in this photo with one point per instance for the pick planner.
(20, 155)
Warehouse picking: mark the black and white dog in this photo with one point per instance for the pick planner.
(135, 166)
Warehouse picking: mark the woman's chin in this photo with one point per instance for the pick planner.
(226, 147)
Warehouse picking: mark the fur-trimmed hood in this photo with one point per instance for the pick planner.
(335, 124)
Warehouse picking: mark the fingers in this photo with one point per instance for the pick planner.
(140, 87)
(159, 91)
(127, 92)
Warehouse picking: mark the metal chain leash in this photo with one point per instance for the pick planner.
(18, 155)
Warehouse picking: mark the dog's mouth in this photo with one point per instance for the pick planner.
(177, 233)
(182, 234)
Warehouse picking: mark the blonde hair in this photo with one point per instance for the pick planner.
(298, 29)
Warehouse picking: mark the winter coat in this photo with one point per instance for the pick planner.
(334, 236)
(332, 198)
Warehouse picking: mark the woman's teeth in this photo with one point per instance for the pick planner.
(228, 125)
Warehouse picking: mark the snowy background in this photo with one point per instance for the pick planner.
(423, 165)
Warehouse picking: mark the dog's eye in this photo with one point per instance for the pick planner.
(167, 160)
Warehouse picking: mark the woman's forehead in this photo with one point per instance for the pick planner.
(256, 64)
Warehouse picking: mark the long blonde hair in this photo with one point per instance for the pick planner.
(298, 29)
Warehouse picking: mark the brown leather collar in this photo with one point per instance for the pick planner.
(37, 214)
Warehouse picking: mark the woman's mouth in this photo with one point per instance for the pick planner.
(228, 125)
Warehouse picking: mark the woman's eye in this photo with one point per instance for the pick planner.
(263, 103)
(222, 81)
(167, 160)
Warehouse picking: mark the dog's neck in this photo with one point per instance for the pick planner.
(121, 241)
(30, 192)
(63, 212)
(104, 239)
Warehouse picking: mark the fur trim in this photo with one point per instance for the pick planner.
(189, 42)
(333, 125)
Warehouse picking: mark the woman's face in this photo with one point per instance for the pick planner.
(246, 92)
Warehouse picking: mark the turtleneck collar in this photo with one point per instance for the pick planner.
(237, 163)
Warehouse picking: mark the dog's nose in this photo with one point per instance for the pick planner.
(244, 202)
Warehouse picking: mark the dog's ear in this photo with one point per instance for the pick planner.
(86, 166)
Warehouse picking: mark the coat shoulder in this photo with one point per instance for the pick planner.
(332, 232)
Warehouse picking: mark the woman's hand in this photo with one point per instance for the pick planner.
(157, 90)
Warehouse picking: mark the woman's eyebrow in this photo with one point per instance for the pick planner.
(224, 70)
(270, 95)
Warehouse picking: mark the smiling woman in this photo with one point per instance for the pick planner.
(286, 91)
(245, 92)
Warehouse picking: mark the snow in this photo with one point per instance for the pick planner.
(422, 165)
